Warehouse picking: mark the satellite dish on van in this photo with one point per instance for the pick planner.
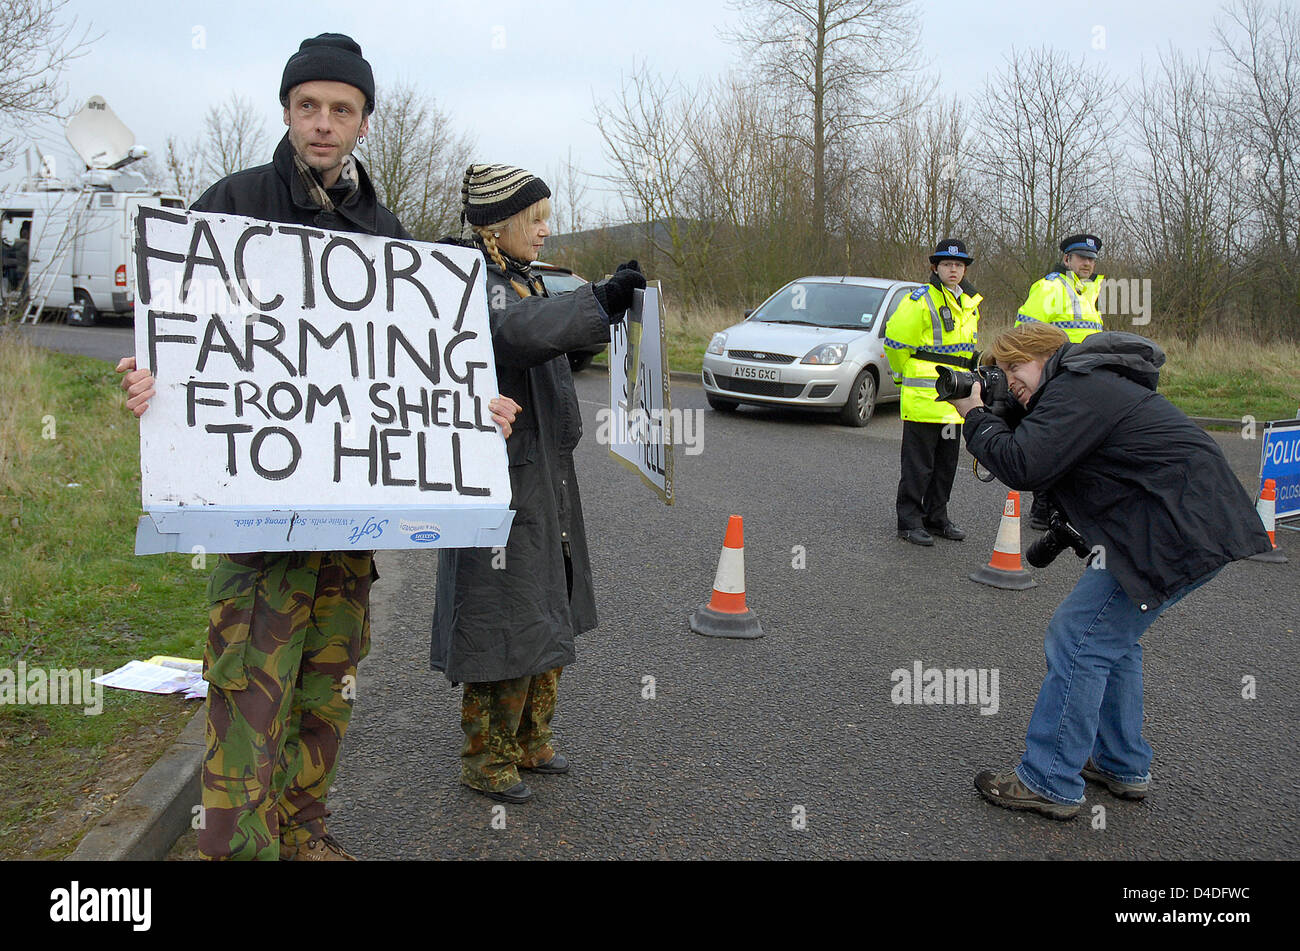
(99, 136)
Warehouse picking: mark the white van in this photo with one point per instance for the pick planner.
(77, 237)
(80, 244)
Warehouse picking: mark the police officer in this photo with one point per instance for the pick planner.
(1066, 298)
(935, 324)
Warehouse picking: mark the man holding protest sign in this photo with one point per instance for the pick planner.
(504, 621)
(287, 629)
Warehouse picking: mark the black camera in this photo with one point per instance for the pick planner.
(957, 384)
(1059, 536)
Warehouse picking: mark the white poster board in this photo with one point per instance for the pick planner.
(641, 436)
(315, 390)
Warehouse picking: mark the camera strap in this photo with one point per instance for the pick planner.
(950, 359)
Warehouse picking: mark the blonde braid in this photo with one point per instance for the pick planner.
(488, 237)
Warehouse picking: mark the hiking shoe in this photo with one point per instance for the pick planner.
(1006, 790)
(556, 765)
(1117, 787)
(519, 792)
(321, 848)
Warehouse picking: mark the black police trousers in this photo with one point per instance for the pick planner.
(929, 464)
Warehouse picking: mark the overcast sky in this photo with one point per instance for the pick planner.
(521, 77)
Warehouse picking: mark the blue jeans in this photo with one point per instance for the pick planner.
(1090, 704)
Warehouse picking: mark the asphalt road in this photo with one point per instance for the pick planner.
(743, 738)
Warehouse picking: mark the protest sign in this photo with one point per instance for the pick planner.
(640, 420)
(315, 390)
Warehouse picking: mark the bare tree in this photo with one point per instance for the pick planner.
(36, 46)
(1263, 94)
(1187, 214)
(568, 196)
(919, 176)
(1048, 153)
(234, 138)
(184, 169)
(845, 64)
(747, 177)
(646, 131)
(417, 159)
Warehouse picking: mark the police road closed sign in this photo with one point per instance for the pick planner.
(1280, 461)
(315, 390)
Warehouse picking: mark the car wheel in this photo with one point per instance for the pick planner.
(579, 361)
(89, 315)
(721, 405)
(862, 401)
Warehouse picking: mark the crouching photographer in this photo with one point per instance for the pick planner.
(1142, 485)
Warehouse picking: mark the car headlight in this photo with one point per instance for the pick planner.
(828, 354)
(718, 344)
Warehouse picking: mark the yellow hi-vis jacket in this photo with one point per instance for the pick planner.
(917, 325)
(1065, 302)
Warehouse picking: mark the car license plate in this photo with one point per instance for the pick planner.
(757, 373)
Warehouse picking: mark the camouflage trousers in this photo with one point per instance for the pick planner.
(507, 725)
(285, 633)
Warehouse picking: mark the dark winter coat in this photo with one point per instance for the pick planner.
(497, 622)
(274, 192)
(1129, 470)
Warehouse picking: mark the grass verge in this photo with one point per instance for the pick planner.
(74, 596)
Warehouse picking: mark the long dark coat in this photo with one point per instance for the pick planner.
(1130, 471)
(497, 623)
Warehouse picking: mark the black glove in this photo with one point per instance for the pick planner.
(615, 293)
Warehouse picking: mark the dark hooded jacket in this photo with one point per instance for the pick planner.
(275, 192)
(500, 619)
(1129, 470)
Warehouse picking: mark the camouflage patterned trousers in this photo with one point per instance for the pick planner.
(285, 633)
(507, 725)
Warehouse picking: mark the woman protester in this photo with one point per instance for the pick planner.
(504, 622)
(1156, 505)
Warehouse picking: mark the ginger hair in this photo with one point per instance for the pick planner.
(1024, 344)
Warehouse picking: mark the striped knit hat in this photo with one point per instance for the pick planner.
(492, 193)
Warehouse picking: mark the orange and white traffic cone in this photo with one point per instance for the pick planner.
(1004, 570)
(1266, 506)
(726, 614)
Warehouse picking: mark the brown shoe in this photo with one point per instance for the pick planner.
(321, 848)
(1006, 790)
(1117, 787)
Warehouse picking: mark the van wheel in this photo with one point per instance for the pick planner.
(89, 315)
(862, 401)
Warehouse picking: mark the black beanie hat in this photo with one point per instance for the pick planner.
(492, 193)
(332, 57)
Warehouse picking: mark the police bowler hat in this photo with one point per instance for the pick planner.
(951, 249)
(1086, 244)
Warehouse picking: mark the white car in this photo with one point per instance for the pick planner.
(816, 344)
